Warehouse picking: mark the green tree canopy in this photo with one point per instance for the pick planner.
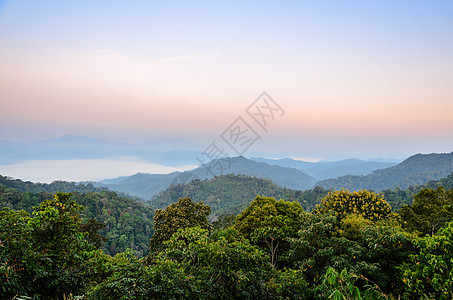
(269, 221)
(373, 249)
(193, 264)
(14, 249)
(429, 275)
(431, 209)
(46, 255)
(183, 214)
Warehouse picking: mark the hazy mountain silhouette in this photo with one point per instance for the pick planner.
(326, 169)
(416, 170)
(147, 185)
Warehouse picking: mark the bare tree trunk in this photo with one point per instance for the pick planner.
(273, 245)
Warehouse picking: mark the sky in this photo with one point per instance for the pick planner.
(356, 78)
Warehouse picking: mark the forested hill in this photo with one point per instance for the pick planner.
(282, 176)
(142, 185)
(416, 170)
(146, 186)
(56, 186)
(129, 223)
(230, 194)
(446, 183)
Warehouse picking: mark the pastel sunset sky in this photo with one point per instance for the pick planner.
(356, 78)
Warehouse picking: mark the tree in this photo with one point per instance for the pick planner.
(224, 221)
(288, 284)
(371, 206)
(131, 279)
(269, 221)
(224, 262)
(121, 215)
(429, 275)
(47, 254)
(344, 286)
(61, 263)
(429, 212)
(193, 264)
(92, 227)
(183, 214)
(15, 248)
(372, 249)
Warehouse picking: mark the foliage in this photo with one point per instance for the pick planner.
(288, 284)
(128, 222)
(446, 183)
(14, 251)
(343, 285)
(54, 252)
(308, 199)
(224, 221)
(372, 249)
(269, 221)
(223, 263)
(131, 279)
(429, 275)
(371, 206)
(230, 194)
(47, 255)
(311, 250)
(91, 227)
(398, 198)
(183, 214)
(193, 264)
(429, 212)
(226, 194)
(54, 187)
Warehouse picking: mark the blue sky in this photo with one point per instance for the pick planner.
(356, 78)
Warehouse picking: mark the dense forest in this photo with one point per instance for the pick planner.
(230, 194)
(54, 187)
(351, 245)
(128, 223)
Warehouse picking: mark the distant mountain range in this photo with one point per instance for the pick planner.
(325, 170)
(141, 185)
(416, 170)
(226, 194)
(376, 174)
(232, 193)
(147, 185)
